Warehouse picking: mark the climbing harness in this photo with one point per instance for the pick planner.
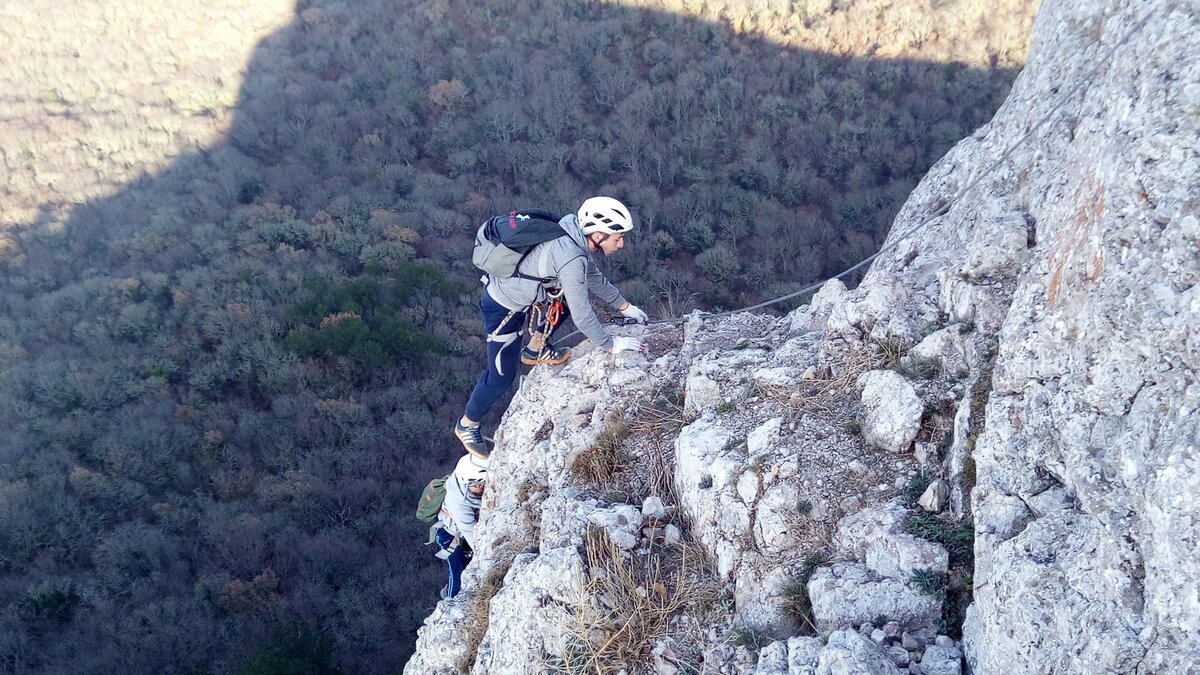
(505, 339)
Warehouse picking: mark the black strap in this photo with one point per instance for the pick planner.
(521, 275)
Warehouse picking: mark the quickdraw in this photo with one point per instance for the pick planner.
(554, 314)
(545, 316)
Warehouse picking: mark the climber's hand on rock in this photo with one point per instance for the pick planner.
(626, 344)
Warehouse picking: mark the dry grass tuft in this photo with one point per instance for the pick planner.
(630, 460)
(662, 417)
(887, 352)
(657, 423)
(599, 464)
(833, 387)
(662, 475)
(633, 600)
(797, 606)
(811, 533)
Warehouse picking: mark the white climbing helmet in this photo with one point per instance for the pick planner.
(605, 215)
(471, 469)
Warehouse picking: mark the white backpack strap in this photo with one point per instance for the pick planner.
(543, 260)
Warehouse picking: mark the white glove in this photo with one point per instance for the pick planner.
(634, 312)
(626, 344)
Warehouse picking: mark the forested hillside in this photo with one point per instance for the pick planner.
(236, 305)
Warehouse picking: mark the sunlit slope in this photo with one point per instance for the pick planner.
(93, 94)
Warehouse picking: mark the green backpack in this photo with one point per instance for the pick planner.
(431, 499)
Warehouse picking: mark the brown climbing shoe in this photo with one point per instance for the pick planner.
(551, 356)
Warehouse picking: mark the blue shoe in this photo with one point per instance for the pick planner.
(472, 439)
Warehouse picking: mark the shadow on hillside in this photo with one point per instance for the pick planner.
(366, 136)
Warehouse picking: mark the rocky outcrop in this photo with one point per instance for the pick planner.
(877, 537)
(617, 463)
(1023, 354)
(1079, 255)
(892, 410)
(849, 594)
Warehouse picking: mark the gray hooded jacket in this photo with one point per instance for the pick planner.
(459, 510)
(568, 262)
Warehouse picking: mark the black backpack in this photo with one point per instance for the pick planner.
(503, 242)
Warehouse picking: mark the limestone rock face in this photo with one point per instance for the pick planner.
(892, 410)
(947, 347)
(934, 498)
(701, 393)
(804, 653)
(849, 653)
(531, 605)
(939, 660)
(849, 594)
(876, 536)
(1087, 457)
